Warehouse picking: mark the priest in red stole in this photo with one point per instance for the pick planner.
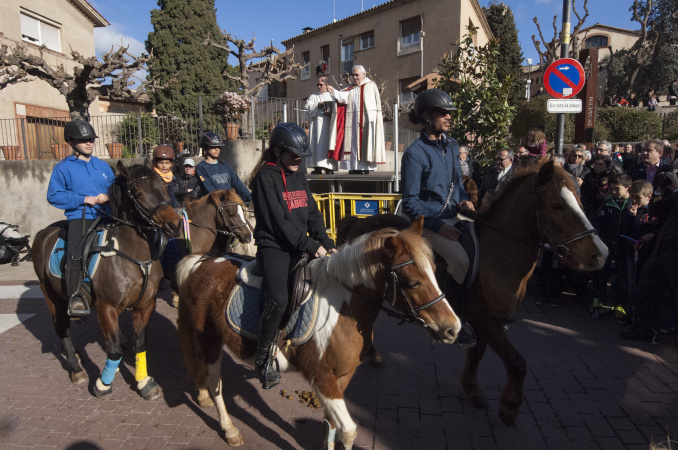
(357, 126)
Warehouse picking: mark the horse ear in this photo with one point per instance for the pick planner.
(148, 163)
(122, 169)
(545, 174)
(418, 225)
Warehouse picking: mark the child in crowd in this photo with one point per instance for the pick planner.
(536, 142)
(608, 221)
(638, 229)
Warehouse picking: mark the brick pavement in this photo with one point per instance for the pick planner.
(585, 389)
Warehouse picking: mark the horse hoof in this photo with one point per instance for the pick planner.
(102, 392)
(79, 377)
(151, 390)
(205, 402)
(508, 415)
(479, 400)
(377, 360)
(235, 441)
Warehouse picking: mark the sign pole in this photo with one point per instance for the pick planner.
(564, 51)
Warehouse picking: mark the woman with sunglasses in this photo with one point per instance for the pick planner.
(78, 182)
(575, 165)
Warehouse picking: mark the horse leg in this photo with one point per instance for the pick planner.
(108, 322)
(148, 388)
(204, 398)
(469, 377)
(516, 370)
(62, 326)
(233, 436)
(330, 391)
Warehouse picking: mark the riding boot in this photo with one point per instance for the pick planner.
(263, 359)
(77, 303)
(466, 337)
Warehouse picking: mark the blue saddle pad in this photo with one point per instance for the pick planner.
(57, 260)
(242, 315)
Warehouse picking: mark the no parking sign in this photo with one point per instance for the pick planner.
(564, 78)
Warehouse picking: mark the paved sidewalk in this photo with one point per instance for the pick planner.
(585, 389)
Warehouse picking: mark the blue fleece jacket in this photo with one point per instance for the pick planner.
(428, 167)
(74, 179)
(218, 176)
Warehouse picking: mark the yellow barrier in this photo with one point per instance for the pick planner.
(334, 206)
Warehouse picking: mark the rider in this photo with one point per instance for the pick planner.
(288, 224)
(215, 175)
(432, 180)
(78, 182)
(163, 157)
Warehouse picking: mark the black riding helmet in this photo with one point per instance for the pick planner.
(290, 136)
(210, 139)
(432, 99)
(79, 129)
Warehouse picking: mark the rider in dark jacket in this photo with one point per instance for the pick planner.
(187, 185)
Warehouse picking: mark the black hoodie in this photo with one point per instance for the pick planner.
(287, 215)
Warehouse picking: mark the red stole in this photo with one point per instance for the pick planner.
(338, 152)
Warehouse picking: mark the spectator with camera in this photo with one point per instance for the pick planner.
(594, 188)
(651, 164)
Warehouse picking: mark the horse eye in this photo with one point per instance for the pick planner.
(557, 206)
(413, 284)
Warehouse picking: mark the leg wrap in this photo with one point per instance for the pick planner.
(109, 371)
(141, 372)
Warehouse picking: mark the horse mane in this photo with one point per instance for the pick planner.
(116, 192)
(359, 262)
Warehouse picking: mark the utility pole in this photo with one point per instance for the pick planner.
(564, 51)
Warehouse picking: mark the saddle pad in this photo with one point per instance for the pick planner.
(242, 315)
(57, 260)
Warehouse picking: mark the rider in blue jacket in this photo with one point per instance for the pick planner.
(215, 175)
(78, 182)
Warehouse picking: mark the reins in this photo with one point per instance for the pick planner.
(229, 228)
(410, 315)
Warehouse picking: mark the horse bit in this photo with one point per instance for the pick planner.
(411, 314)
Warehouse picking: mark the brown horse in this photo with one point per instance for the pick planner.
(140, 207)
(350, 287)
(537, 207)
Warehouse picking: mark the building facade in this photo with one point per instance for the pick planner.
(398, 42)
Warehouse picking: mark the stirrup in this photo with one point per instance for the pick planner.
(467, 336)
(263, 375)
(74, 299)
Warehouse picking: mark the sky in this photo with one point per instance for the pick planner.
(276, 21)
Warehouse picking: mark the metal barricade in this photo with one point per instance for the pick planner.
(334, 206)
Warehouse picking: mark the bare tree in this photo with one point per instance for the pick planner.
(113, 76)
(273, 64)
(551, 50)
(645, 46)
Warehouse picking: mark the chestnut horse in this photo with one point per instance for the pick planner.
(537, 207)
(350, 286)
(140, 208)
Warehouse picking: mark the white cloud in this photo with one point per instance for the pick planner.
(111, 36)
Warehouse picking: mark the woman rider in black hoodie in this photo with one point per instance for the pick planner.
(288, 224)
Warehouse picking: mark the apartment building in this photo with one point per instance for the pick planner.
(400, 42)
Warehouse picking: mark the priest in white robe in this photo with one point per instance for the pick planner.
(362, 142)
(319, 107)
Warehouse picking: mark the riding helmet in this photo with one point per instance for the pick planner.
(210, 139)
(163, 152)
(432, 99)
(79, 129)
(290, 136)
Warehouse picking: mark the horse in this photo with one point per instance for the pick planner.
(350, 287)
(217, 213)
(537, 207)
(126, 278)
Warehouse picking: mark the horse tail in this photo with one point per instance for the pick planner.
(188, 337)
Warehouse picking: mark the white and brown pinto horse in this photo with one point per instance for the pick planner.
(351, 287)
(537, 207)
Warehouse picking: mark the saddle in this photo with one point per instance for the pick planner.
(469, 242)
(298, 285)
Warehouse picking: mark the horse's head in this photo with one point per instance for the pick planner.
(141, 196)
(412, 272)
(562, 223)
(232, 215)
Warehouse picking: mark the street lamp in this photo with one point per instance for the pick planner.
(529, 78)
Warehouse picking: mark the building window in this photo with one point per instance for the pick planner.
(410, 30)
(40, 33)
(325, 56)
(406, 96)
(367, 40)
(346, 56)
(306, 62)
(596, 41)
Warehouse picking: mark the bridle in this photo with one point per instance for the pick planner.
(561, 250)
(410, 314)
(140, 210)
(230, 229)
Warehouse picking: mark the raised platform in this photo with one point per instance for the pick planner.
(383, 181)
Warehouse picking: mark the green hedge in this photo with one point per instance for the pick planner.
(627, 124)
(533, 114)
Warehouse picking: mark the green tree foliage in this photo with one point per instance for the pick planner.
(627, 124)
(671, 130)
(181, 61)
(483, 112)
(533, 114)
(510, 57)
